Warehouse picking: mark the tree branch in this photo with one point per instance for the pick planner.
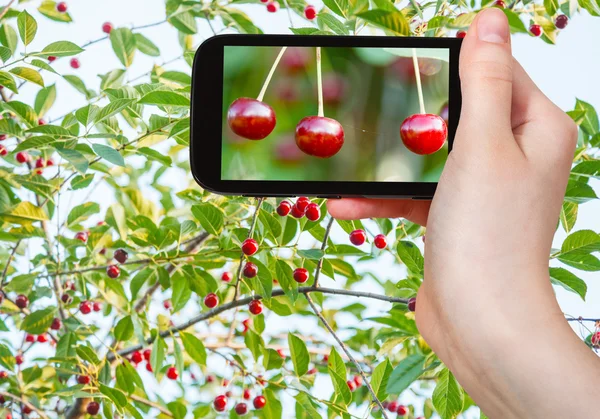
(147, 402)
(5, 10)
(24, 403)
(8, 262)
(323, 247)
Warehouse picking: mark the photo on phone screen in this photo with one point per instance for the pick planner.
(372, 129)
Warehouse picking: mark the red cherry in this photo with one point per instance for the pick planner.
(351, 385)
(121, 255)
(149, 367)
(358, 237)
(272, 6)
(85, 307)
(412, 304)
(241, 409)
(3, 375)
(500, 4)
(319, 136)
(51, 58)
(424, 133)
(3, 150)
(310, 12)
(313, 212)
(172, 373)
(284, 208)
(23, 157)
(246, 323)
(3, 137)
(251, 118)
(249, 247)
(246, 394)
(220, 403)
(81, 236)
(40, 163)
(259, 402)
(211, 300)
(26, 409)
(75, 63)
(535, 30)
(255, 307)
(210, 379)
(281, 354)
(325, 358)
(147, 353)
(42, 338)
(358, 381)
(302, 203)
(41, 122)
(66, 298)
(297, 212)
(461, 34)
(22, 301)
(30, 338)
(226, 277)
(250, 270)
(137, 357)
(83, 379)
(561, 21)
(300, 275)
(93, 408)
(264, 1)
(56, 324)
(225, 382)
(107, 27)
(113, 271)
(595, 339)
(402, 410)
(167, 304)
(311, 371)
(61, 7)
(380, 241)
(97, 306)
(19, 359)
(393, 406)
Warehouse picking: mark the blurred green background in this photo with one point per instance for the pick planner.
(370, 91)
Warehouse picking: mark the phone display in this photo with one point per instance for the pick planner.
(323, 115)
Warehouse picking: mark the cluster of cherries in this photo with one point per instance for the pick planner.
(303, 207)
(241, 408)
(310, 12)
(395, 407)
(23, 157)
(358, 238)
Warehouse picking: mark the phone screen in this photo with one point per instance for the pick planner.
(377, 114)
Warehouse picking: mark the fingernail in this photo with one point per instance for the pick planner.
(492, 26)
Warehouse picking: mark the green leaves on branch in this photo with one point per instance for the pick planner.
(299, 354)
(38, 322)
(448, 396)
(27, 27)
(391, 21)
(124, 45)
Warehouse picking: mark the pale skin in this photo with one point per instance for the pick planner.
(486, 306)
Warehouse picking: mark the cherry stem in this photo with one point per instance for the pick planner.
(320, 83)
(418, 78)
(261, 95)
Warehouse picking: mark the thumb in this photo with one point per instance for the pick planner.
(486, 75)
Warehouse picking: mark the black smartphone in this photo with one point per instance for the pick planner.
(326, 116)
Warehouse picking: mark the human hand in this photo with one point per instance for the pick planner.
(486, 305)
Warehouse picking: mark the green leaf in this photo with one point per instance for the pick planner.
(304, 31)
(337, 371)
(157, 357)
(255, 343)
(74, 157)
(8, 81)
(210, 217)
(43, 65)
(80, 182)
(579, 192)
(124, 378)
(8, 37)
(405, 373)
(515, 22)
(115, 217)
(7, 359)
(181, 294)
(152, 154)
(48, 9)
(380, 379)
(23, 111)
(111, 109)
(117, 396)
(299, 354)
(271, 359)
(5, 53)
(308, 409)
(447, 396)
(109, 154)
(194, 347)
(44, 100)
(314, 254)
(390, 20)
(79, 85)
(411, 256)
(39, 321)
(589, 168)
(87, 354)
(339, 7)
(24, 213)
(239, 20)
(569, 281)
(332, 23)
(27, 27)
(185, 22)
(81, 213)
(568, 215)
(60, 49)
(582, 241)
(123, 44)
(87, 114)
(124, 329)
(592, 6)
(551, 7)
(28, 74)
(146, 46)
(164, 97)
(590, 124)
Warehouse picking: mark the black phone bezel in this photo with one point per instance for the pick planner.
(206, 118)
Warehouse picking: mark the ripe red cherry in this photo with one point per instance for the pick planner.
(358, 237)
(93, 408)
(113, 271)
(107, 27)
(3, 137)
(310, 12)
(40, 163)
(61, 7)
(137, 357)
(380, 241)
(412, 304)
(351, 385)
(42, 338)
(121, 255)
(23, 157)
(284, 208)
(311, 371)
(259, 402)
(358, 380)
(251, 118)
(147, 353)
(210, 379)
(149, 367)
(272, 6)
(85, 307)
(302, 203)
(319, 136)
(56, 324)
(19, 359)
(226, 277)
(500, 4)
(3, 375)
(83, 379)
(297, 212)
(51, 58)
(424, 133)
(3, 150)
(595, 339)
(220, 403)
(241, 409)
(81, 236)
(75, 63)
(393, 406)
(536, 30)
(461, 34)
(97, 306)
(313, 212)
(300, 275)
(255, 307)
(250, 270)
(561, 21)
(246, 395)
(167, 304)
(22, 301)
(172, 373)
(65, 298)
(402, 410)
(41, 121)
(211, 300)
(246, 324)
(249, 247)
(26, 409)
(30, 338)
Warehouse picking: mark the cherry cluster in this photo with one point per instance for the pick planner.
(303, 207)
(400, 409)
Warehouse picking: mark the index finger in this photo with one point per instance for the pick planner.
(358, 208)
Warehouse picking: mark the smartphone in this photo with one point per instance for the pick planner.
(325, 116)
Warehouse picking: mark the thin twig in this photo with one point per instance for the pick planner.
(8, 262)
(210, 24)
(147, 402)
(323, 246)
(5, 10)
(24, 403)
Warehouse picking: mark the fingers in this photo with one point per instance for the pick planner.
(355, 209)
(486, 80)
